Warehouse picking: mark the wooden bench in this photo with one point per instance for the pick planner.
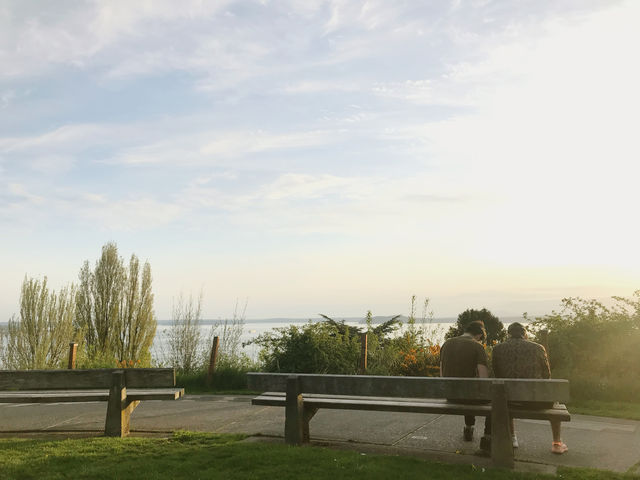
(123, 389)
(303, 394)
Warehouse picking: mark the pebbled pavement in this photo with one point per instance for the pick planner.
(596, 442)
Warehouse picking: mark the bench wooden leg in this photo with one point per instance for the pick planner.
(501, 445)
(309, 412)
(119, 409)
(294, 413)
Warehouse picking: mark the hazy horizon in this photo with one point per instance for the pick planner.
(326, 155)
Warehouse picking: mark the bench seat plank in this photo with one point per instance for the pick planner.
(54, 396)
(23, 380)
(412, 405)
(45, 396)
(517, 390)
(155, 394)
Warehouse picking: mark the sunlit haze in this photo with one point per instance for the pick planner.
(325, 156)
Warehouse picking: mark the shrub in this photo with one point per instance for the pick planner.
(313, 348)
(595, 346)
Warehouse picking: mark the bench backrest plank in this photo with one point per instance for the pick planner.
(79, 379)
(517, 390)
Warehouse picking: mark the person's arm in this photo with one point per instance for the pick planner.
(544, 360)
(482, 366)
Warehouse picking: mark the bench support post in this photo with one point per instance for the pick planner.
(501, 445)
(119, 409)
(309, 412)
(294, 413)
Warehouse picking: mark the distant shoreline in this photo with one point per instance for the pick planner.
(290, 321)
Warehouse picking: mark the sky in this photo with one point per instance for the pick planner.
(332, 157)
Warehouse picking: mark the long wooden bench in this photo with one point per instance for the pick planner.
(303, 394)
(123, 389)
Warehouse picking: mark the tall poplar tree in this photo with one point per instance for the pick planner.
(115, 308)
(40, 336)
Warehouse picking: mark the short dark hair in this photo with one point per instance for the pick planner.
(516, 330)
(476, 328)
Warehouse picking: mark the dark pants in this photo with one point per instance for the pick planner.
(470, 420)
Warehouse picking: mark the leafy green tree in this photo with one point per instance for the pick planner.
(40, 337)
(137, 324)
(493, 325)
(115, 308)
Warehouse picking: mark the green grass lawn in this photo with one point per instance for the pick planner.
(201, 456)
(605, 408)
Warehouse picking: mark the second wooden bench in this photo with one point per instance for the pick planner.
(123, 389)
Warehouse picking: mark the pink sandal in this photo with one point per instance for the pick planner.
(559, 448)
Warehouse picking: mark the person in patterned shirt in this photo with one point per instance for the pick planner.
(518, 357)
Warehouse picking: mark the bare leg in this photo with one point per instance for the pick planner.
(557, 446)
(555, 430)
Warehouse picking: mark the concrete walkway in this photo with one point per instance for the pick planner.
(595, 442)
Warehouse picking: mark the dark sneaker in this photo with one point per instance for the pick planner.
(468, 433)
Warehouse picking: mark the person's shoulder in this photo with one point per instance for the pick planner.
(499, 346)
(453, 339)
(533, 345)
(539, 348)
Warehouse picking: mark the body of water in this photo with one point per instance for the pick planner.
(252, 328)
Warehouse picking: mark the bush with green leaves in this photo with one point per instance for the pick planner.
(331, 346)
(595, 346)
(320, 347)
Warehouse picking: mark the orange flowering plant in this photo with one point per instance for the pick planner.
(127, 363)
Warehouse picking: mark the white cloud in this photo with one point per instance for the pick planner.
(299, 186)
(220, 147)
(67, 137)
(22, 209)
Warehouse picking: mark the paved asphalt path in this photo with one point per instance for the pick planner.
(596, 442)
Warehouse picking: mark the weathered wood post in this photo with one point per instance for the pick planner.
(501, 445)
(213, 358)
(73, 348)
(363, 353)
(119, 408)
(294, 413)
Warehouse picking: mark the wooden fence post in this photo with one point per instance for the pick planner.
(73, 347)
(363, 353)
(213, 359)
